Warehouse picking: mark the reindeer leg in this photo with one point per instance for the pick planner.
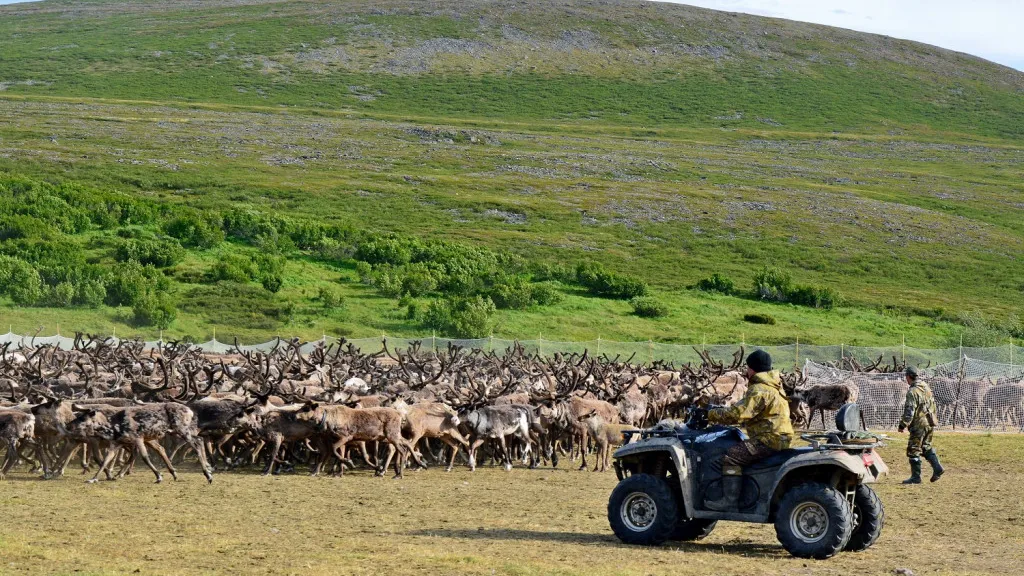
(107, 459)
(387, 461)
(274, 448)
(140, 449)
(163, 456)
(506, 457)
(477, 442)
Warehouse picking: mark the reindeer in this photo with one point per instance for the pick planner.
(344, 424)
(16, 427)
(432, 420)
(606, 436)
(140, 426)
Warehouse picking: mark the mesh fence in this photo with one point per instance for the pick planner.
(969, 393)
(784, 356)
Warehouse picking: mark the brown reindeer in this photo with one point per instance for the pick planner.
(343, 425)
(16, 427)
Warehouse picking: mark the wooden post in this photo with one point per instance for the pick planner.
(540, 344)
(703, 342)
(904, 337)
(650, 351)
(598, 344)
(797, 365)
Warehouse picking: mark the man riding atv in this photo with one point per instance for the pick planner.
(764, 412)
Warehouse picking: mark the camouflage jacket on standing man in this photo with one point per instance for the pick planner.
(920, 404)
(763, 411)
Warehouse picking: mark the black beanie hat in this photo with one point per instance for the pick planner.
(759, 361)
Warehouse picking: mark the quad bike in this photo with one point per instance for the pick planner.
(818, 496)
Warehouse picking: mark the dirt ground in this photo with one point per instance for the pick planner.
(488, 522)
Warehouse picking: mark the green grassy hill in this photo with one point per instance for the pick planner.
(662, 141)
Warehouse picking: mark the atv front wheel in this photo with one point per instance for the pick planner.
(693, 529)
(868, 518)
(813, 521)
(643, 510)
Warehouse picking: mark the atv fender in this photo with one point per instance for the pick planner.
(826, 466)
(640, 454)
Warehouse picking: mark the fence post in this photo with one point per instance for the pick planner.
(490, 343)
(797, 363)
(433, 341)
(961, 345)
(599, 345)
(904, 346)
(1011, 353)
(703, 342)
(842, 352)
(540, 344)
(650, 351)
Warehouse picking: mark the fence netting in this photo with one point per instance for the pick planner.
(969, 393)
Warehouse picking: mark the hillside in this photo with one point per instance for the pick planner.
(665, 142)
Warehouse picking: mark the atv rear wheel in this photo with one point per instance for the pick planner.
(868, 519)
(643, 510)
(693, 529)
(813, 521)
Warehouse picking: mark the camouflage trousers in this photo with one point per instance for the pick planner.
(746, 453)
(920, 442)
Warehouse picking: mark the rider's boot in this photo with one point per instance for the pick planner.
(732, 485)
(915, 471)
(933, 459)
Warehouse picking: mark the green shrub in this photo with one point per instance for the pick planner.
(384, 251)
(759, 319)
(154, 309)
(648, 307)
(418, 280)
(979, 331)
(772, 284)
(272, 283)
(717, 283)
(545, 294)
(365, 272)
(159, 253)
(90, 293)
(129, 281)
(460, 318)
(388, 281)
(513, 293)
(60, 296)
(815, 296)
(601, 282)
(196, 231)
(20, 281)
(329, 298)
(234, 268)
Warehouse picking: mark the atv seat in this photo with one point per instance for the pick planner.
(777, 459)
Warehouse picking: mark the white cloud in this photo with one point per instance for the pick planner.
(986, 28)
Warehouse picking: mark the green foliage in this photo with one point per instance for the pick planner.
(649, 307)
(160, 253)
(128, 282)
(513, 293)
(329, 298)
(61, 295)
(545, 294)
(233, 267)
(460, 318)
(717, 283)
(979, 331)
(196, 230)
(384, 251)
(815, 296)
(772, 284)
(19, 281)
(156, 309)
(765, 319)
(272, 283)
(601, 282)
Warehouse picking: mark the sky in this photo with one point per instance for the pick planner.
(991, 29)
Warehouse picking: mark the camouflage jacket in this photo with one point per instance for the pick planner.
(920, 403)
(763, 411)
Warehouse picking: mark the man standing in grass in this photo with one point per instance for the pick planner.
(919, 415)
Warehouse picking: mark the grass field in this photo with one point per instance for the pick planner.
(664, 141)
(489, 522)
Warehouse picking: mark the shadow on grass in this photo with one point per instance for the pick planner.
(737, 548)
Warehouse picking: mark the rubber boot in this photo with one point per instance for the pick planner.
(915, 472)
(937, 469)
(732, 485)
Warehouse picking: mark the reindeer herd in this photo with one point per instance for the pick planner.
(106, 405)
